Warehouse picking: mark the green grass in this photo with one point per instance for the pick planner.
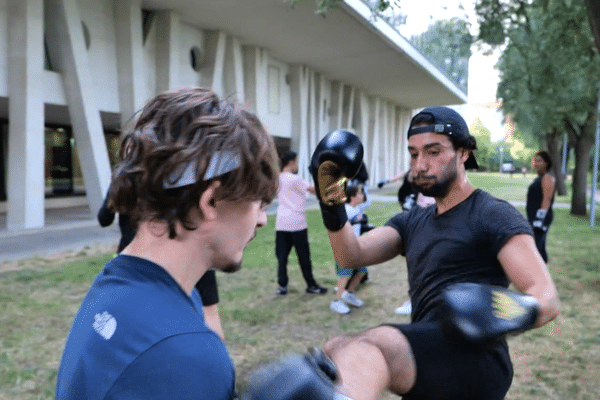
(514, 188)
(39, 297)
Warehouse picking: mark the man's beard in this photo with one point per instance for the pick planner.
(439, 188)
(231, 267)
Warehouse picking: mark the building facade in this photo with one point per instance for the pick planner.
(73, 73)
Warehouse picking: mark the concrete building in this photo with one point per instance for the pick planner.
(74, 72)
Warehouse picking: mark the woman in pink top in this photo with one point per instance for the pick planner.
(291, 229)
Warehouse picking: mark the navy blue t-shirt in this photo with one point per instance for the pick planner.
(137, 334)
(460, 245)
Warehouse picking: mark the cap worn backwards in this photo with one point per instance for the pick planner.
(446, 121)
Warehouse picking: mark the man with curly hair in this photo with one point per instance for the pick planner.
(195, 176)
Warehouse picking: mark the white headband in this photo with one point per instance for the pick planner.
(220, 163)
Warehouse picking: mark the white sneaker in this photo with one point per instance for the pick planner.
(351, 299)
(339, 307)
(404, 309)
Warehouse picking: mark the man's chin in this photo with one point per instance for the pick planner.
(424, 188)
(432, 190)
(231, 268)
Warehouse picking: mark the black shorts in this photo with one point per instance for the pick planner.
(451, 370)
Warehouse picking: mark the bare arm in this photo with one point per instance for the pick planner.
(311, 189)
(547, 191)
(376, 246)
(397, 178)
(212, 319)
(528, 272)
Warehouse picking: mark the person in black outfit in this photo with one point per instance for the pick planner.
(540, 197)
(467, 237)
(106, 216)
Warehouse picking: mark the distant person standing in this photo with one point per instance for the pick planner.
(347, 280)
(106, 216)
(540, 197)
(291, 228)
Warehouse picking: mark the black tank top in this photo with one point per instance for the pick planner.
(534, 201)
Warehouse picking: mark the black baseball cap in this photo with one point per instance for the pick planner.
(446, 121)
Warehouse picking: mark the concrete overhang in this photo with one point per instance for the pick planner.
(348, 45)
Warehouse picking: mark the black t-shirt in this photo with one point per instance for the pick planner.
(208, 289)
(460, 245)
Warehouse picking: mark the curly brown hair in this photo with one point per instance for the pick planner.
(184, 128)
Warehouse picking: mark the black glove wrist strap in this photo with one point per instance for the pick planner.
(334, 217)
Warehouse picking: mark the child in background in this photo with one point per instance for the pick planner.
(347, 282)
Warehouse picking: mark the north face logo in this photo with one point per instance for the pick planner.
(105, 324)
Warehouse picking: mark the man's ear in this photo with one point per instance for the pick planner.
(464, 154)
(208, 202)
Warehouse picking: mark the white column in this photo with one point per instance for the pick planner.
(385, 134)
(299, 92)
(25, 203)
(375, 151)
(323, 106)
(218, 84)
(238, 65)
(337, 103)
(167, 51)
(351, 98)
(250, 56)
(389, 167)
(396, 143)
(312, 109)
(405, 117)
(80, 91)
(130, 57)
(364, 128)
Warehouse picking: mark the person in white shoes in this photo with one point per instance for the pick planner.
(347, 282)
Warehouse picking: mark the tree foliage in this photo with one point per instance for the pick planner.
(522, 150)
(447, 44)
(486, 150)
(549, 74)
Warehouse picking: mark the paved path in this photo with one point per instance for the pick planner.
(74, 228)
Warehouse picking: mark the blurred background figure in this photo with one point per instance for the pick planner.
(348, 279)
(540, 197)
(106, 216)
(291, 228)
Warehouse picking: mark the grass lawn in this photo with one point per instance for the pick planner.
(39, 297)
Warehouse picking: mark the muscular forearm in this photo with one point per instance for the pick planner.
(344, 244)
(548, 302)
(376, 246)
(528, 272)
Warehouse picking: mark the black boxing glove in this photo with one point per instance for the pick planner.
(336, 159)
(382, 183)
(481, 313)
(296, 377)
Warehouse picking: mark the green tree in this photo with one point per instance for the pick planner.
(447, 44)
(486, 151)
(521, 148)
(548, 75)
